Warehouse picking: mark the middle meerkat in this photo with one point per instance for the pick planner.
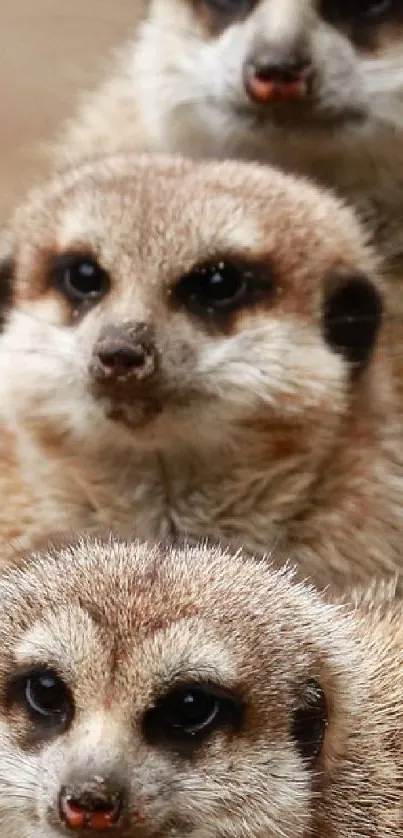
(196, 349)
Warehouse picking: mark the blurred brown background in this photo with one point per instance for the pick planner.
(49, 49)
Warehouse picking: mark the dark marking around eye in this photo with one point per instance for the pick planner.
(230, 7)
(44, 698)
(190, 713)
(216, 15)
(358, 12)
(79, 277)
(218, 288)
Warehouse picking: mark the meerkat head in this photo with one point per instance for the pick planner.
(164, 692)
(225, 74)
(176, 299)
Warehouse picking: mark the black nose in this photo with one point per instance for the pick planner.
(94, 804)
(267, 79)
(123, 352)
(120, 361)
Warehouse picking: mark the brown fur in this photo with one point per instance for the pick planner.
(252, 427)
(313, 749)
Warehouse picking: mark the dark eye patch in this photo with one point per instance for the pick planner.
(79, 278)
(190, 713)
(215, 289)
(358, 12)
(229, 8)
(217, 14)
(43, 697)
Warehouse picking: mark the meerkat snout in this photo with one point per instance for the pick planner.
(272, 75)
(94, 804)
(124, 352)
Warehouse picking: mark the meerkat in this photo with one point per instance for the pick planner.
(176, 692)
(197, 349)
(315, 86)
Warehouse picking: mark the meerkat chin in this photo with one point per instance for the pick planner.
(160, 691)
(196, 349)
(313, 86)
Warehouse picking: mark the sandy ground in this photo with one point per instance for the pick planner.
(49, 49)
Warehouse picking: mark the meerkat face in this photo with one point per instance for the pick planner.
(239, 69)
(158, 291)
(146, 692)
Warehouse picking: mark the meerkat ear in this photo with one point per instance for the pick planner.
(310, 721)
(6, 285)
(352, 315)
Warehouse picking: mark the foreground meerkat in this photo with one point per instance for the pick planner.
(176, 692)
(195, 349)
(315, 86)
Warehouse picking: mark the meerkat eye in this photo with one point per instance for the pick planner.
(310, 721)
(192, 710)
(45, 697)
(221, 287)
(191, 713)
(79, 278)
(375, 9)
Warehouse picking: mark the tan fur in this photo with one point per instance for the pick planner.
(123, 625)
(253, 429)
(178, 87)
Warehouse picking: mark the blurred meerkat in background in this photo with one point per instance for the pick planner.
(315, 86)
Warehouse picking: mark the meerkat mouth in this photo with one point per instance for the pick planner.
(301, 116)
(133, 416)
(138, 410)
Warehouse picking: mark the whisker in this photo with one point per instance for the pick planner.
(21, 794)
